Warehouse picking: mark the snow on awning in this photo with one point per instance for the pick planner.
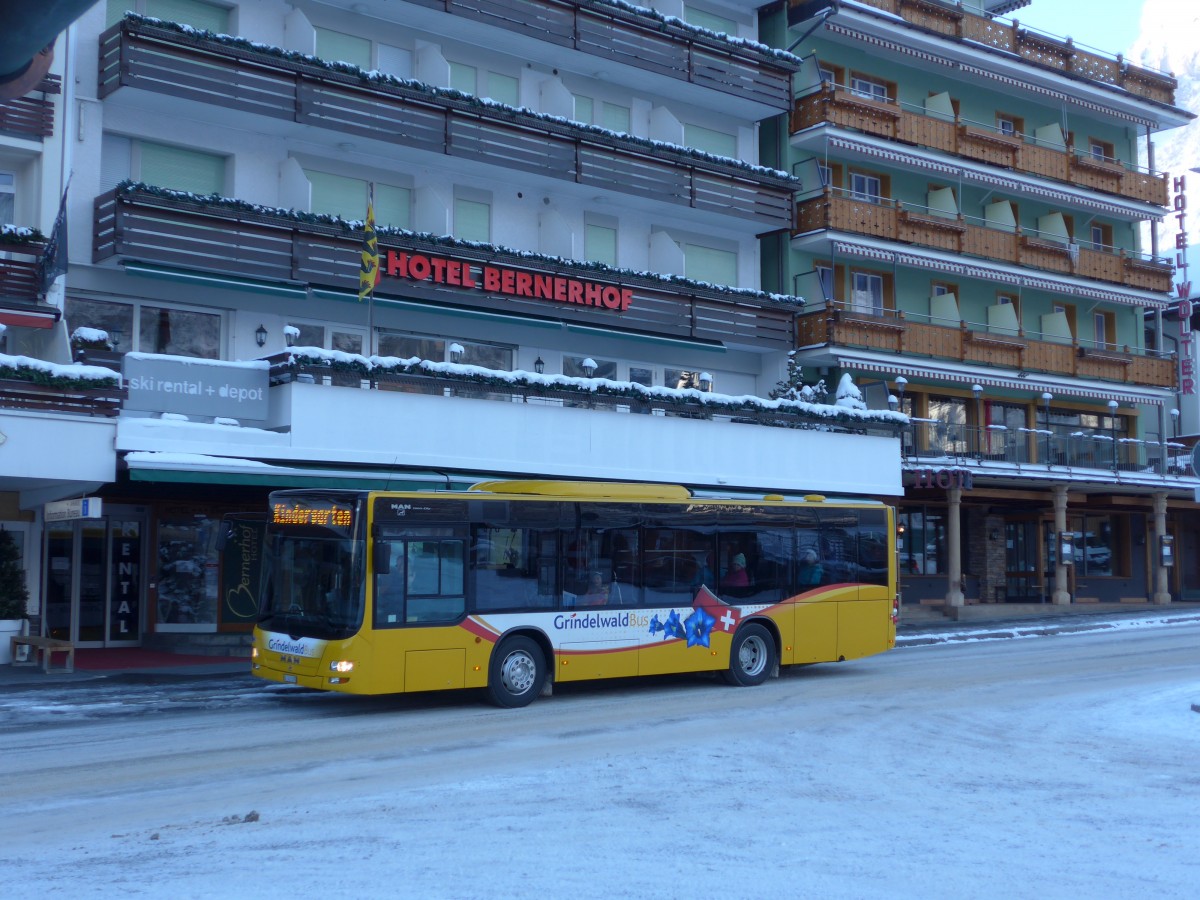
(888, 45)
(1060, 96)
(911, 159)
(1032, 383)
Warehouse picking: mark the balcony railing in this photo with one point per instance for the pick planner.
(837, 105)
(19, 280)
(287, 87)
(894, 220)
(102, 401)
(31, 116)
(838, 324)
(1057, 447)
(950, 20)
(631, 36)
(177, 230)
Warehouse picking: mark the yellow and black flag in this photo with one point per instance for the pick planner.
(368, 271)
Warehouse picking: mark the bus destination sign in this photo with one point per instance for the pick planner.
(312, 512)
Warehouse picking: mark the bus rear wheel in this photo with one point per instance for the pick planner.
(517, 673)
(752, 656)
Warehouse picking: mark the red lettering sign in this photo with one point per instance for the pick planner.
(513, 282)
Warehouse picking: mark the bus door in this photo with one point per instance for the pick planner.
(422, 584)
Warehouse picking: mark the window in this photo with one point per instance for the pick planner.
(1012, 126)
(616, 118)
(825, 277)
(1101, 236)
(585, 109)
(709, 264)
(1105, 324)
(866, 187)
(179, 169)
(1100, 150)
(8, 197)
(147, 328)
(867, 294)
(831, 74)
(503, 89)
(643, 376)
(922, 549)
(208, 16)
(338, 195)
(437, 349)
(334, 46)
(941, 288)
(605, 368)
(600, 244)
(718, 143)
(472, 220)
(711, 21)
(425, 581)
(684, 378)
(1012, 300)
(868, 88)
(463, 77)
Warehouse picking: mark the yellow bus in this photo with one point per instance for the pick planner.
(512, 586)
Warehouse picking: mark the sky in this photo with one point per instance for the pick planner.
(1108, 25)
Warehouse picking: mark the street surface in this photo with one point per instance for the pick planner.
(1059, 766)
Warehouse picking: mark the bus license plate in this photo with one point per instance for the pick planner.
(290, 679)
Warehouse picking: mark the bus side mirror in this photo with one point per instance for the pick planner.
(382, 556)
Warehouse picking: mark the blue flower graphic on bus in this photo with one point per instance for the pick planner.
(698, 626)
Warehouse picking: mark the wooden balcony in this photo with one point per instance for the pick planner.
(276, 86)
(837, 105)
(19, 280)
(98, 401)
(176, 230)
(840, 326)
(630, 36)
(951, 21)
(31, 116)
(892, 221)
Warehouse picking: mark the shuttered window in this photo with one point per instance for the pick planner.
(187, 12)
(600, 244)
(718, 143)
(709, 264)
(339, 195)
(181, 170)
(334, 46)
(472, 220)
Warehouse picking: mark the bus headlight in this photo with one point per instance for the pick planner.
(341, 665)
(254, 652)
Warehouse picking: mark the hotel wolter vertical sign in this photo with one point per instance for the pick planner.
(506, 281)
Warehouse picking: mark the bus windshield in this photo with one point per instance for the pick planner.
(315, 588)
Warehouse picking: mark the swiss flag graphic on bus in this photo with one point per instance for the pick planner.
(725, 617)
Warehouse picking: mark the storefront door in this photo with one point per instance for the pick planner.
(93, 579)
(1021, 564)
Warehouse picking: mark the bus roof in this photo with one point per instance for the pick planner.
(612, 490)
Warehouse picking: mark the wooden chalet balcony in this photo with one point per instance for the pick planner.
(951, 21)
(893, 221)
(622, 34)
(19, 273)
(235, 239)
(165, 61)
(838, 105)
(98, 401)
(31, 116)
(838, 325)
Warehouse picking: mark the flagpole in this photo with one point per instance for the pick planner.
(368, 272)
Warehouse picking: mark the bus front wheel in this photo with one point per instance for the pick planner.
(752, 656)
(517, 673)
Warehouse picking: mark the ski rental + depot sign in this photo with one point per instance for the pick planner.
(197, 387)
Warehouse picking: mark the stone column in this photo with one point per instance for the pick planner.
(954, 597)
(1061, 594)
(1162, 593)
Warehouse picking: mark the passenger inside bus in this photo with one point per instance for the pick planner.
(810, 571)
(597, 591)
(737, 576)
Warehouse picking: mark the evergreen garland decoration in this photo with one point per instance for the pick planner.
(46, 378)
(20, 235)
(14, 594)
(809, 414)
(129, 188)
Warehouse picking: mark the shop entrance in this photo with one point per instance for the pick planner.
(1022, 567)
(93, 579)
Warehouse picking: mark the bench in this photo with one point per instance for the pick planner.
(47, 646)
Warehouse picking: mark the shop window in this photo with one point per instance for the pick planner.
(922, 548)
(186, 579)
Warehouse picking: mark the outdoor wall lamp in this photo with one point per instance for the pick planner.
(977, 390)
(539, 365)
(901, 384)
(705, 382)
(456, 352)
(1175, 422)
(589, 367)
(260, 335)
(290, 333)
